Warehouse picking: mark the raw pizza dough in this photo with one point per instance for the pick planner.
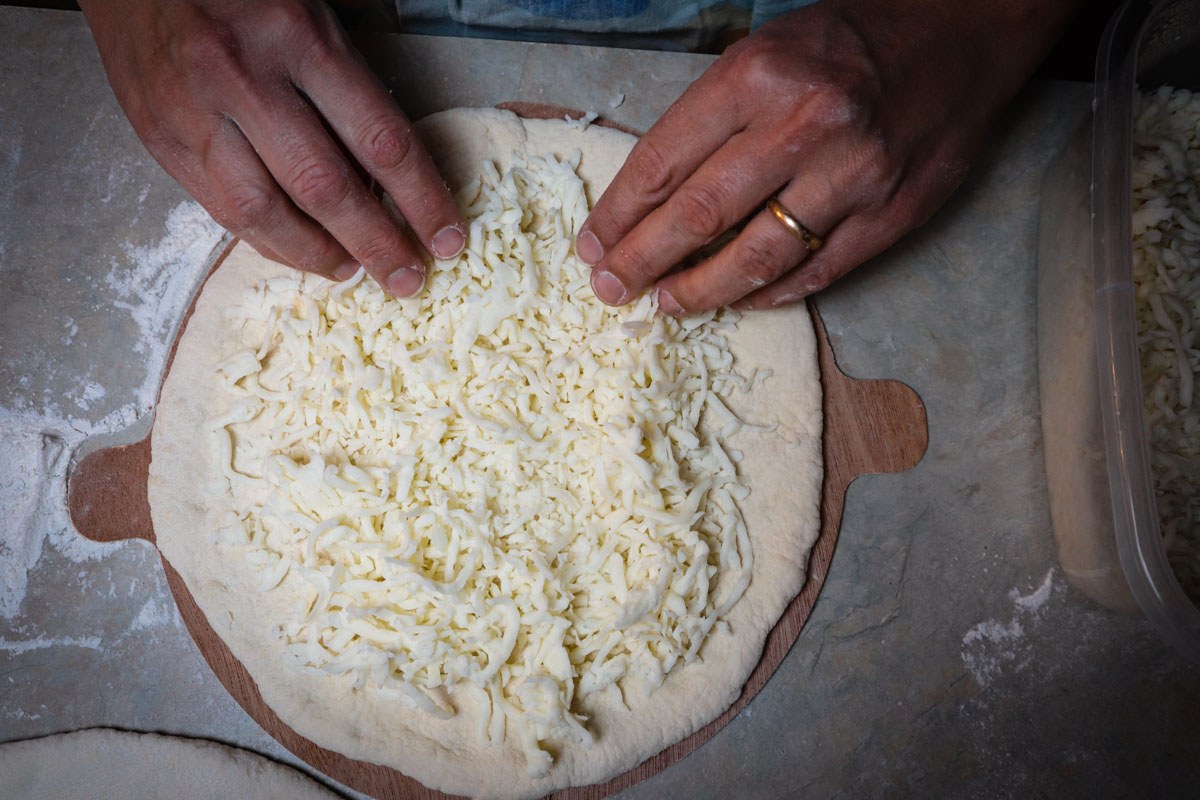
(782, 467)
(105, 763)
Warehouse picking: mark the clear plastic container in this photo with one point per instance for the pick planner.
(1108, 464)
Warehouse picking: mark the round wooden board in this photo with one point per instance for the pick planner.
(870, 427)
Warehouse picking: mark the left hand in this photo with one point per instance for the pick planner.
(860, 116)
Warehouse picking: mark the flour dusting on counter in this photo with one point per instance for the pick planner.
(154, 614)
(17, 648)
(994, 646)
(39, 435)
(35, 461)
(156, 291)
(1035, 600)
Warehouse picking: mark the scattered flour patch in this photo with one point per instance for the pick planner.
(989, 647)
(993, 647)
(88, 393)
(22, 715)
(35, 453)
(19, 648)
(118, 177)
(32, 456)
(37, 439)
(156, 286)
(1039, 597)
(153, 615)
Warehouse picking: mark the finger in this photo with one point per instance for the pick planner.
(185, 166)
(763, 252)
(178, 161)
(308, 165)
(249, 202)
(722, 191)
(367, 120)
(855, 240)
(667, 155)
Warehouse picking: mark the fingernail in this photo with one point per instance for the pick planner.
(589, 249)
(347, 270)
(406, 281)
(667, 304)
(449, 242)
(608, 288)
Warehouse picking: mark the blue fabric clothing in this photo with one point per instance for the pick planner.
(652, 23)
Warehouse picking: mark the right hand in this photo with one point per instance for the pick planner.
(268, 116)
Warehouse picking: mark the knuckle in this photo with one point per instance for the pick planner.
(319, 184)
(247, 206)
(760, 262)
(756, 65)
(292, 22)
(158, 139)
(650, 169)
(320, 53)
(388, 145)
(381, 250)
(223, 218)
(305, 29)
(762, 68)
(875, 170)
(213, 66)
(321, 259)
(835, 103)
(211, 49)
(699, 210)
(634, 268)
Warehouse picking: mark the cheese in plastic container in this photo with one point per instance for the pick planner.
(1121, 524)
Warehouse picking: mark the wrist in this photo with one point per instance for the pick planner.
(1005, 41)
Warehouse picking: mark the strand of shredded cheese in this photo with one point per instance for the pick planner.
(499, 485)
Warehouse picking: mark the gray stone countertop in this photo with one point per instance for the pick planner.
(946, 656)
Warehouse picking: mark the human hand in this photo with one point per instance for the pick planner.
(269, 118)
(860, 116)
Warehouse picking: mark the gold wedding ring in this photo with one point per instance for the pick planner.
(806, 237)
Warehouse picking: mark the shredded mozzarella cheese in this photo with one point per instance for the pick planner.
(501, 486)
(1166, 260)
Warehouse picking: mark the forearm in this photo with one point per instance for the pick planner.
(996, 44)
